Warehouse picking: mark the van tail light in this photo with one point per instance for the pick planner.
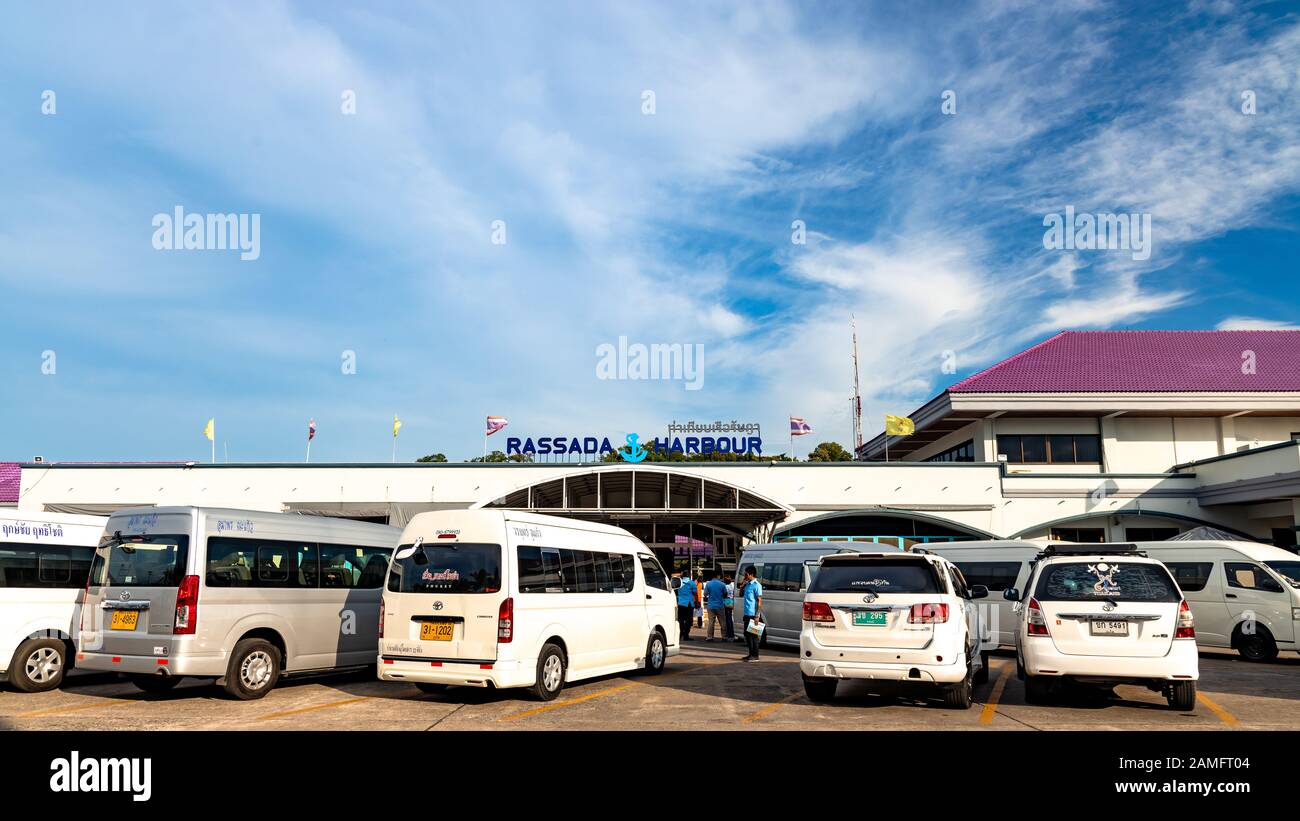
(1186, 628)
(928, 614)
(506, 621)
(187, 607)
(817, 611)
(381, 617)
(1036, 623)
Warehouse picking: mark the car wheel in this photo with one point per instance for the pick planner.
(431, 689)
(1181, 695)
(1036, 689)
(155, 684)
(961, 695)
(550, 673)
(38, 665)
(1258, 646)
(254, 669)
(982, 677)
(819, 690)
(656, 654)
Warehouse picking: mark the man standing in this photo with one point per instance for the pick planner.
(728, 604)
(715, 594)
(685, 607)
(753, 611)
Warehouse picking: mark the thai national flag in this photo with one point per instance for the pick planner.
(311, 430)
(798, 427)
(495, 423)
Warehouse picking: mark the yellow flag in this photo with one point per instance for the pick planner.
(397, 425)
(210, 430)
(899, 426)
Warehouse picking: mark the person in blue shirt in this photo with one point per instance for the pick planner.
(753, 594)
(715, 594)
(685, 607)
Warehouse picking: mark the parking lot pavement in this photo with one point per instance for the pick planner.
(707, 686)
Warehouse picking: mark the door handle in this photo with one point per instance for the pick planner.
(1230, 595)
(648, 596)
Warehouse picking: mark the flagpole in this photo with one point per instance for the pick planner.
(309, 451)
(214, 443)
(792, 441)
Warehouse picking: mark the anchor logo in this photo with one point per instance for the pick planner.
(634, 452)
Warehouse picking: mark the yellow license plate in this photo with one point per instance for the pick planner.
(436, 630)
(124, 620)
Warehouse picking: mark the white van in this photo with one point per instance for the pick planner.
(44, 560)
(240, 596)
(489, 598)
(1244, 595)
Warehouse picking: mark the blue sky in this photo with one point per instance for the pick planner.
(676, 226)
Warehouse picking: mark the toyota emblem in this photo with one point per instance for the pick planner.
(869, 598)
(126, 595)
(1108, 607)
(437, 605)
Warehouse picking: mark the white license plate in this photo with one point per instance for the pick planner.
(1108, 628)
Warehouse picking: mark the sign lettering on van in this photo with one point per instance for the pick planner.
(235, 525)
(527, 531)
(36, 530)
(141, 522)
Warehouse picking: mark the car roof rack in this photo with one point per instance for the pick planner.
(1093, 549)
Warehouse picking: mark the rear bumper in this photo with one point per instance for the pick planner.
(147, 665)
(1181, 663)
(499, 674)
(913, 673)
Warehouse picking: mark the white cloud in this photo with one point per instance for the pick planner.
(1251, 323)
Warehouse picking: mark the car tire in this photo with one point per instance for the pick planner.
(1181, 696)
(820, 690)
(38, 665)
(961, 696)
(430, 688)
(982, 677)
(1259, 647)
(550, 673)
(1036, 689)
(254, 669)
(155, 685)
(656, 653)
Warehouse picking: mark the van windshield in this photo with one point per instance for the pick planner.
(446, 568)
(1085, 581)
(144, 561)
(1290, 571)
(878, 576)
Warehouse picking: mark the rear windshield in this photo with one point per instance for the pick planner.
(1290, 571)
(143, 561)
(446, 568)
(877, 576)
(1093, 581)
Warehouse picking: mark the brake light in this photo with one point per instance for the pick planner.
(381, 617)
(506, 621)
(817, 611)
(1186, 628)
(187, 607)
(1036, 623)
(928, 614)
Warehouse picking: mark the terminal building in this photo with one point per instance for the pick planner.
(1087, 436)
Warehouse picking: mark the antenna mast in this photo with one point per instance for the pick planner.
(857, 393)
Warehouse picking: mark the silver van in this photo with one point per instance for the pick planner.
(240, 596)
(784, 570)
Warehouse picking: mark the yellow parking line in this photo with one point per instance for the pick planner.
(61, 710)
(1224, 716)
(769, 709)
(589, 696)
(302, 710)
(995, 695)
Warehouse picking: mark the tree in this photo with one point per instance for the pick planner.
(433, 457)
(829, 452)
(498, 456)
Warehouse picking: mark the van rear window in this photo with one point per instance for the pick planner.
(140, 561)
(1096, 581)
(446, 568)
(879, 576)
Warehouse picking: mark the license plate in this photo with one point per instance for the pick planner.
(436, 630)
(1108, 628)
(870, 618)
(124, 620)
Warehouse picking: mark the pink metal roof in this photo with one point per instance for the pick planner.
(10, 474)
(1147, 361)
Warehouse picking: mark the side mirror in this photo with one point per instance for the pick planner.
(1011, 594)
(979, 591)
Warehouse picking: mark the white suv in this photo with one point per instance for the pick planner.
(1104, 615)
(899, 617)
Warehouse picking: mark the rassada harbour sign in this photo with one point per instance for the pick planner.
(633, 450)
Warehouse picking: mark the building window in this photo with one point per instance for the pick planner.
(965, 452)
(1053, 449)
(1082, 535)
(1150, 534)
